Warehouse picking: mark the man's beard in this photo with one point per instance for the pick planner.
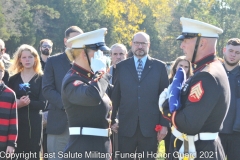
(229, 63)
(46, 52)
(139, 54)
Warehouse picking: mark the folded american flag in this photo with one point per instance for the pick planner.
(175, 90)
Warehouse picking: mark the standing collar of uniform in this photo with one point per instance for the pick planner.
(203, 62)
(81, 71)
(144, 59)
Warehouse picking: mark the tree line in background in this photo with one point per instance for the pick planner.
(29, 21)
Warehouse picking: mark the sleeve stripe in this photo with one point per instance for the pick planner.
(4, 122)
(5, 105)
(13, 121)
(12, 137)
(3, 138)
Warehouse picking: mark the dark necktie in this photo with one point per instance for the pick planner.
(139, 68)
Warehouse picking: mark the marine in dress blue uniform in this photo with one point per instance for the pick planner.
(87, 105)
(205, 97)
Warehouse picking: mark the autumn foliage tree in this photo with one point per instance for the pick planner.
(29, 21)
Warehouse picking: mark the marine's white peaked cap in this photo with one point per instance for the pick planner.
(192, 28)
(95, 38)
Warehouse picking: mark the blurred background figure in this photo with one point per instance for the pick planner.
(45, 50)
(180, 62)
(4, 56)
(118, 53)
(6, 62)
(26, 82)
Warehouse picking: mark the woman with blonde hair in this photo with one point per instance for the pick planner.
(26, 81)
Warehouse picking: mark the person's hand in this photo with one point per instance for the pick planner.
(9, 151)
(98, 62)
(162, 134)
(114, 127)
(23, 101)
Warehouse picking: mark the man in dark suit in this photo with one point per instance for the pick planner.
(55, 69)
(139, 81)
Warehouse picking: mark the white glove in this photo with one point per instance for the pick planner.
(163, 96)
(98, 62)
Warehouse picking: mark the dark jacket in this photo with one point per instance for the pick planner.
(231, 122)
(205, 101)
(55, 69)
(136, 100)
(87, 105)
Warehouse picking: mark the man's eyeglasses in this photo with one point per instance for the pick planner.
(46, 46)
(144, 44)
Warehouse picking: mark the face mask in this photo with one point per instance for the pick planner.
(46, 52)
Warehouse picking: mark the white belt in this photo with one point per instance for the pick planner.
(205, 136)
(89, 131)
(191, 139)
